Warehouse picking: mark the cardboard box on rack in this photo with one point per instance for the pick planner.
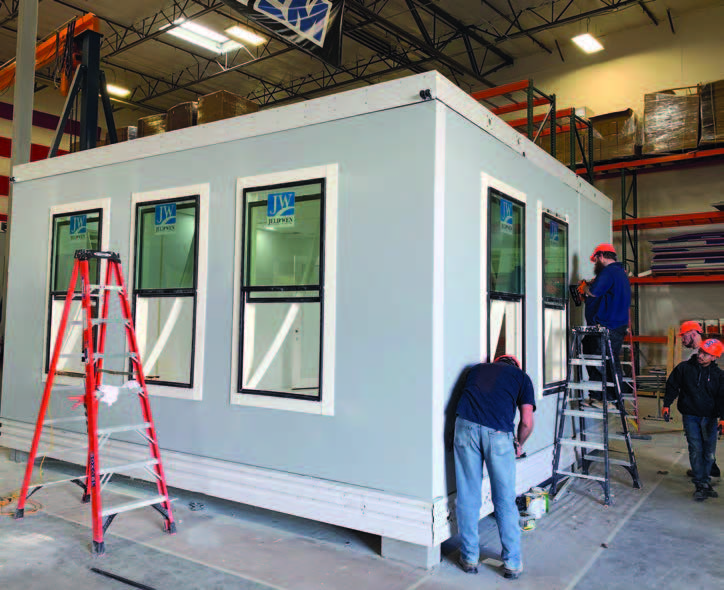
(712, 113)
(671, 122)
(223, 105)
(152, 125)
(615, 136)
(182, 115)
(126, 133)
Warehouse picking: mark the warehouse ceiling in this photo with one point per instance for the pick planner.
(472, 42)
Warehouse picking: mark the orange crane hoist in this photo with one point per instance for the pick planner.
(53, 47)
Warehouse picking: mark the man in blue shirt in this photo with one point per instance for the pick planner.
(484, 434)
(608, 299)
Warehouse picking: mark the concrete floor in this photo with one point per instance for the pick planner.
(657, 537)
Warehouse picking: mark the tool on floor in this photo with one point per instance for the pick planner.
(95, 304)
(591, 444)
(121, 579)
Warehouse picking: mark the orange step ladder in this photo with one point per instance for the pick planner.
(93, 354)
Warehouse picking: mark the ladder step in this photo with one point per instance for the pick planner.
(586, 362)
(55, 482)
(581, 475)
(124, 428)
(585, 444)
(132, 505)
(62, 420)
(115, 355)
(71, 355)
(106, 288)
(97, 321)
(586, 385)
(597, 414)
(611, 460)
(128, 466)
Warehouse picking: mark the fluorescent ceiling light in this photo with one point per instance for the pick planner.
(245, 35)
(203, 37)
(588, 43)
(117, 90)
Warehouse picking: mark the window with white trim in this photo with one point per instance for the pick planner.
(555, 302)
(506, 275)
(165, 284)
(282, 290)
(70, 231)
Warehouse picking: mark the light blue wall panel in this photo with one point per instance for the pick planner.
(380, 435)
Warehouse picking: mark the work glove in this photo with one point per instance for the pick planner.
(582, 288)
(720, 428)
(666, 413)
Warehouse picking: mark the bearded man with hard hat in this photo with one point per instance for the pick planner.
(608, 299)
(690, 333)
(698, 383)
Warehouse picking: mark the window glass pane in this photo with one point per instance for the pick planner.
(73, 341)
(166, 244)
(555, 259)
(164, 328)
(506, 328)
(283, 230)
(506, 245)
(281, 348)
(556, 346)
(73, 232)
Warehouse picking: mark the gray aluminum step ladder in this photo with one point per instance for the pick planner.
(589, 434)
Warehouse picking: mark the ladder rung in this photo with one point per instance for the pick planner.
(106, 287)
(115, 355)
(582, 475)
(586, 444)
(128, 466)
(598, 414)
(61, 420)
(97, 321)
(71, 355)
(599, 459)
(55, 482)
(587, 385)
(123, 428)
(586, 362)
(133, 505)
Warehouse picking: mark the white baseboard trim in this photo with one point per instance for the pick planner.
(364, 509)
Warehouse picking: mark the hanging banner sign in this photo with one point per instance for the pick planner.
(280, 209)
(165, 218)
(314, 25)
(554, 232)
(78, 227)
(506, 216)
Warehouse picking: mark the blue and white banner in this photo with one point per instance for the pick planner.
(506, 216)
(314, 25)
(78, 227)
(280, 209)
(165, 218)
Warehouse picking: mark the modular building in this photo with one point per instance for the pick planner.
(309, 284)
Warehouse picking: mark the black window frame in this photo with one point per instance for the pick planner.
(556, 303)
(247, 292)
(501, 295)
(156, 293)
(59, 295)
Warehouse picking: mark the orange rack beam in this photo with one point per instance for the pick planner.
(518, 106)
(650, 339)
(540, 118)
(501, 90)
(655, 161)
(684, 220)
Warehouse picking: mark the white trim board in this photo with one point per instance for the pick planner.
(379, 97)
(394, 516)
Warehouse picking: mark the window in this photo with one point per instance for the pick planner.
(169, 230)
(506, 275)
(282, 290)
(71, 230)
(166, 255)
(555, 298)
(284, 308)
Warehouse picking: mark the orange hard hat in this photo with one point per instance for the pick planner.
(602, 248)
(713, 347)
(507, 358)
(689, 326)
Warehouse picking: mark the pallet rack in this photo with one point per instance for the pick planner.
(631, 224)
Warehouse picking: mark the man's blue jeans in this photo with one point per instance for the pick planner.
(701, 437)
(474, 444)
